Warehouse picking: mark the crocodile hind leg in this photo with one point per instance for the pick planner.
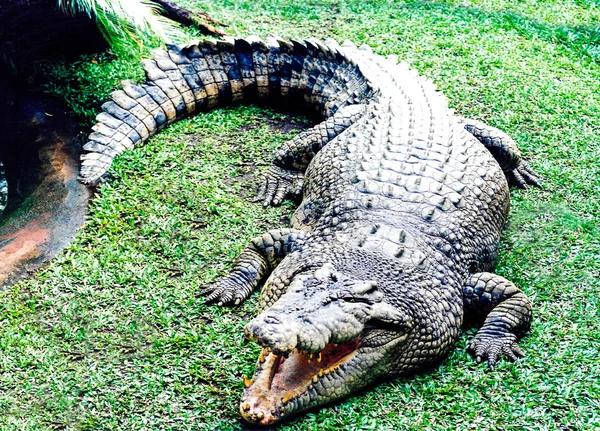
(286, 175)
(254, 264)
(505, 312)
(505, 151)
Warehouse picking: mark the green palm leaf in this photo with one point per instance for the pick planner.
(127, 24)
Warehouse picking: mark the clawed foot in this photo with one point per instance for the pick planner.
(230, 290)
(523, 176)
(492, 347)
(279, 183)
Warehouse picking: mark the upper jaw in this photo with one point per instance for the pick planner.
(285, 329)
(281, 387)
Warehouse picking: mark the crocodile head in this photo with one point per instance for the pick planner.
(327, 336)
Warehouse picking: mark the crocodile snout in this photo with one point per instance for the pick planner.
(272, 332)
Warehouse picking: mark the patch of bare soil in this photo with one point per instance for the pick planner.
(247, 173)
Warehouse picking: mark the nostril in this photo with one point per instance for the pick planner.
(272, 320)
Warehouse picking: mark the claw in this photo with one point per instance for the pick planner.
(492, 348)
(262, 190)
(205, 291)
(531, 179)
(277, 184)
(521, 183)
(525, 167)
(223, 293)
(279, 195)
(517, 351)
(510, 354)
(524, 176)
(210, 298)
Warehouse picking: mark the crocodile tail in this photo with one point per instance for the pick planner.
(184, 80)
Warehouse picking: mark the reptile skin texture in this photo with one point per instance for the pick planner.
(402, 206)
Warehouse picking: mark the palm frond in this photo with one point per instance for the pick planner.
(127, 24)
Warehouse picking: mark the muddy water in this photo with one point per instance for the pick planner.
(40, 147)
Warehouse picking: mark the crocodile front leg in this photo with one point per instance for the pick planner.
(286, 175)
(507, 314)
(505, 151)
(254, 264)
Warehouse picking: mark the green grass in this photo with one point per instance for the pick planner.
(112, 335)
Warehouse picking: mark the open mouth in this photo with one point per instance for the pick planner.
(282, 381)
(299, 369)
(285, 384)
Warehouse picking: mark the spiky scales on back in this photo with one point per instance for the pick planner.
(402, 208)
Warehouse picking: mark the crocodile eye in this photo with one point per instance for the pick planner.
(364, 288)
(371, 287)
(356, 300)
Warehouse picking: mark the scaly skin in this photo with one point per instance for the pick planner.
(402, 208)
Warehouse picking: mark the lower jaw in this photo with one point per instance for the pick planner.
(263, 403)
(270, 412)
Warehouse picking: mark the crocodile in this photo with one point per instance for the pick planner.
(392, 247)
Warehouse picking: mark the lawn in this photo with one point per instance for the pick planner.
(112, 334)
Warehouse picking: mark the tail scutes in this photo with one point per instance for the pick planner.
(200, 76)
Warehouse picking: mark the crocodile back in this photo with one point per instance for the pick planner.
(407, 180)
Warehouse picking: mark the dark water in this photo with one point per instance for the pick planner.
(3, 189)
(39, 147)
